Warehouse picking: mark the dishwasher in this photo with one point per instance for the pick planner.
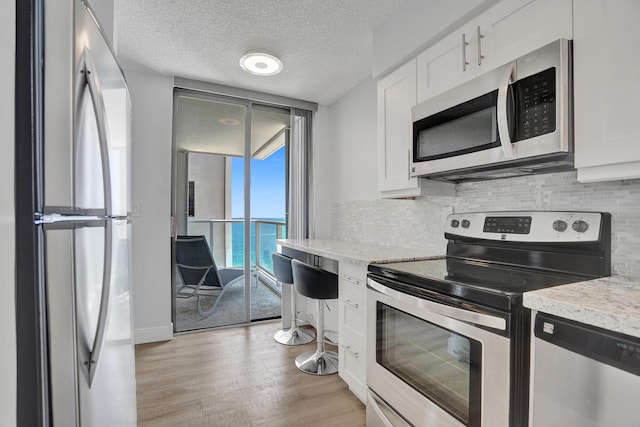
(583, 376)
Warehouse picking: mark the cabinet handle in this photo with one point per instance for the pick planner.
(351, 303)
(351, 279)
(464, 52)
(479, 38)
(347, 348)
(409, 164)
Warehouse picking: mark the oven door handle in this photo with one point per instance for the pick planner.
(462, 315)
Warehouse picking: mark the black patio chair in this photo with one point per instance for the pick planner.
(200, 276)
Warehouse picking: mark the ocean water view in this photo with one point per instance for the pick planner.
(268, 236)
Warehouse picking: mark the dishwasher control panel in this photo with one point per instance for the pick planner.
(614, 349)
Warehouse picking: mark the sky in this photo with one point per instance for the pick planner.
(267, 186)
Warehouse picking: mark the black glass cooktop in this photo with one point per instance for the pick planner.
(494, 284)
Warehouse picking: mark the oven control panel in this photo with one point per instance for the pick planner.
(533, 226)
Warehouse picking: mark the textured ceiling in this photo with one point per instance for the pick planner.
(326, 45)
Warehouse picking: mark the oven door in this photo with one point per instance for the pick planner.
(434, 363)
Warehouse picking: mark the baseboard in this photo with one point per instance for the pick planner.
(146, 335)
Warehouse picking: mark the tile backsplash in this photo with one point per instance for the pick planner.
(418, 223)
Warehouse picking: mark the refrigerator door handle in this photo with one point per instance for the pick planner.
(88, 78)
(94, 355)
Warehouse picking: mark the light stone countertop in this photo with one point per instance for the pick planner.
(360, 254)
(611, 303)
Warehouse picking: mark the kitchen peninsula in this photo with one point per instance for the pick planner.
(349, 260)
(357, 253)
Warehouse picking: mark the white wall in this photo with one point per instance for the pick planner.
(7, 221)
(207, 171)
(353, 131)
(103, 10)
(152, 100)
(345, 155)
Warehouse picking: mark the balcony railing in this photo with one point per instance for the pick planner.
(226, 240)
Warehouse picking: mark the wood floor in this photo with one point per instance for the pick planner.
(237, 377)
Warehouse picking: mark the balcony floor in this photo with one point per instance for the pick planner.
(265, 304)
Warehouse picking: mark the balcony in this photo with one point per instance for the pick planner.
(226, 241)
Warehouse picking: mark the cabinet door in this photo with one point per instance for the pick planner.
(396, 96)
(606, 83)
(514, 28)
(447, 63)
(352, 368)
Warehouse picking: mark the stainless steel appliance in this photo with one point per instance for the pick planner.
(448, 341)
(583, 376)
(514, 120)
(78, 177)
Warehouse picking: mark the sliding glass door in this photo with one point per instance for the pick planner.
(230, 186)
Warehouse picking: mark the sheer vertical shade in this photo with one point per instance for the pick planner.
(300, 173)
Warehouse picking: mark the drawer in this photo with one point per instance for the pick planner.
(352, 368)
(352, 279)
(352, 319)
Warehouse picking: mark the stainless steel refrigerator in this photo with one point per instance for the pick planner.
(80, 183)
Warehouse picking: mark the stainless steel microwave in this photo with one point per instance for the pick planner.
(516, 119)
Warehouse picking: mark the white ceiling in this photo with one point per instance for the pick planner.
(325, 45)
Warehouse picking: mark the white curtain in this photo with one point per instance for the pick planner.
(300, 176)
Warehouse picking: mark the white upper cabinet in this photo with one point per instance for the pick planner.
(501, 34)
(513, 28)
(606, 85)
(396, 96)
(448, 63)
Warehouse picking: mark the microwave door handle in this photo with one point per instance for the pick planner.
(503, 122)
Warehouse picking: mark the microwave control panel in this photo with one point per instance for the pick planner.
(535, 98)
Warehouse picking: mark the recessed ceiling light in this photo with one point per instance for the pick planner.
(261, 64)
(229, 121)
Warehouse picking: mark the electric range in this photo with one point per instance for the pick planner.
(449, 341)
